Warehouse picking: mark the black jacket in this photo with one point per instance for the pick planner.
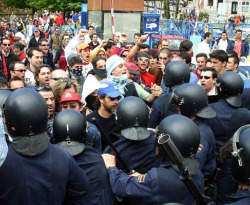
(11, 57)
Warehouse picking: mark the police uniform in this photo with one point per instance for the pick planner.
(241, 197)
(160, 185)
(160, 110)
(52, 177)
(206, 150)
(91, 162)
(137, 155)
(228, 120)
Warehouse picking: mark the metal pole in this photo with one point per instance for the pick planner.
(112, 18)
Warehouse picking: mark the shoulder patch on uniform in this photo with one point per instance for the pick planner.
(200, 147)
(141, 178)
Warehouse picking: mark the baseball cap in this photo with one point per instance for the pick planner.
(36, 29)
(70, 96)
(132, 68)
(83, 46)
(109, 88)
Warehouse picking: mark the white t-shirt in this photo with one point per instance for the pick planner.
(29, 77)
(19, 34)
(204, 48)
(222, 45)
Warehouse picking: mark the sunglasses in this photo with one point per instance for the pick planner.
(113, 99)
(44, 87)
(21, 70)
(45, 45)
(143, 59)
(6, 44)
(206, 77)
(124, 56)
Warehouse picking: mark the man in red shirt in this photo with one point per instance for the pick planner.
(143, 64)
(18, 50)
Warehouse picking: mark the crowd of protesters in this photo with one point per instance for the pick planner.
(68, 89)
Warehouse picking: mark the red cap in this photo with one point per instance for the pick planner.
(70, 96)
(132, 68)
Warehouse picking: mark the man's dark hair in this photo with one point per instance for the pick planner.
(109, 45)
(232, 54)
(137, 34)
(207, 34)
(186, 56)
(144, 46)
(5, 39)
(235, 59)
(214, 72)
(224, 32)
(19, 28)
(153, 53)
(90, 27)
(165, 51)
(31, 50)
(75, 60)
(3, 83)
(96, 59)
(239, 31)
(65, 35)
(185, 46)
(95, 34)
(208, 60)
(221, 55)
(38, 69)
(12, 65)
(201, 55)
(42, 39)
(16, 78)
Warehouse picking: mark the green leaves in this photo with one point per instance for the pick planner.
(62, 5)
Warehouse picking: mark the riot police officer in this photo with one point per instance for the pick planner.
(191, 100)
(136, 144)
(229, 117)
(241, 165)
(175, 74)
(162, 185)
(69, 134)
(36, 172)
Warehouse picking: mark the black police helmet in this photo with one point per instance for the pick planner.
(69, 125)
(241, 153)
(132, 112)
(184, 133)
(3, 96)
(26, 113)
(192, 100)
(230, 86)
(176, 73)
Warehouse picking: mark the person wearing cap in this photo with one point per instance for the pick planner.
(6, 56)
(47, 56)
(132, 73)
(18, 48)
(229, 118)
(116, 72)
(143, 64)
(70, 27)
(35, 38)
(108, 99)
(69, 133)
(56, 41)
(54, 171)
(136, 144)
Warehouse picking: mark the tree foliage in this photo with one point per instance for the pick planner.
(62, 5)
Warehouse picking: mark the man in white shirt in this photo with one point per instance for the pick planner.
(204, 45)
(221, 43)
